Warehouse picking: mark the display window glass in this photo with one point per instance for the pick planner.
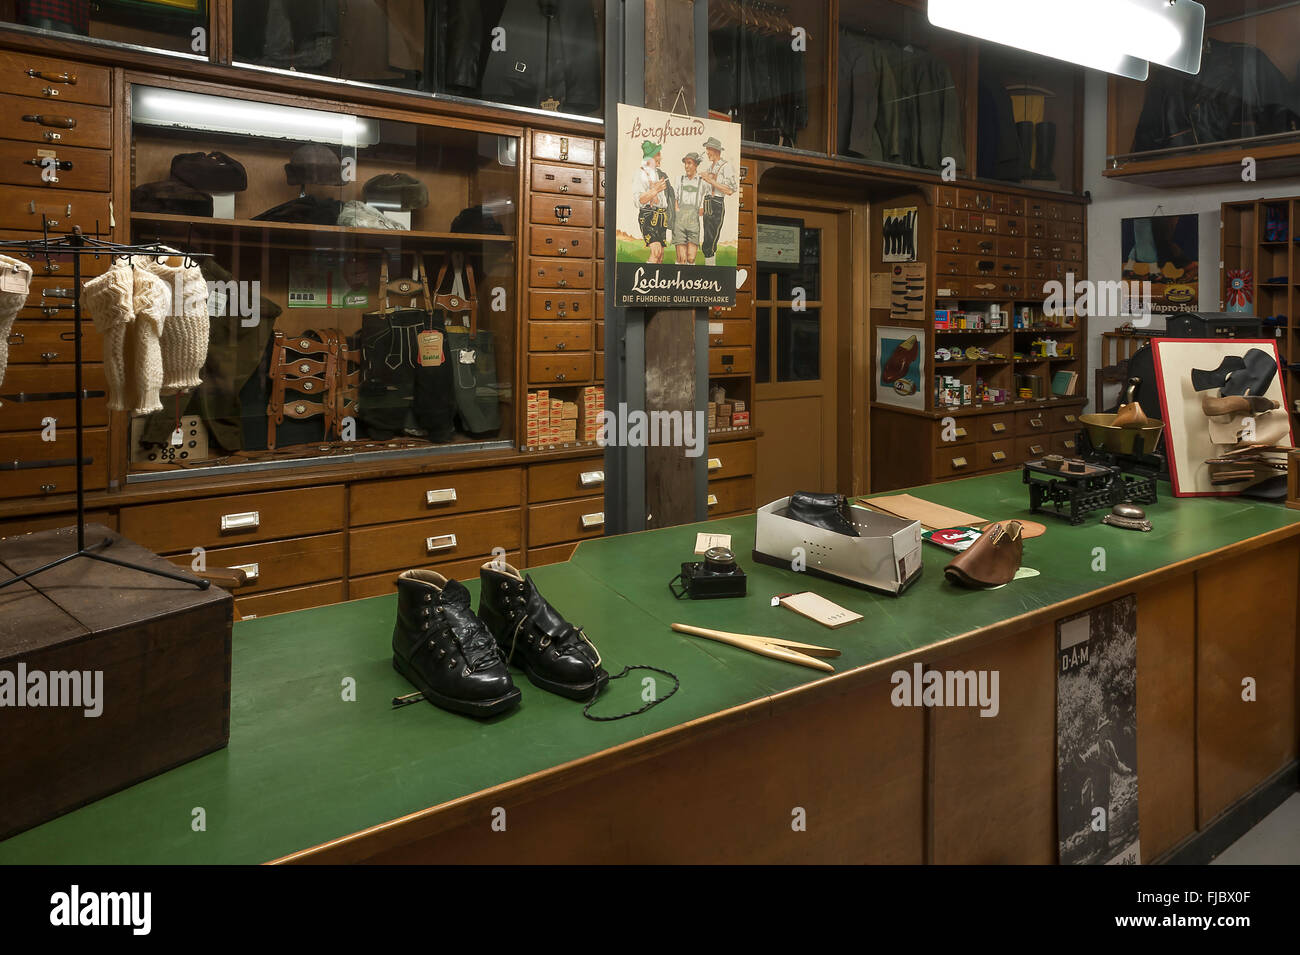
(1027, 116)
(305, 213)
(177, 26)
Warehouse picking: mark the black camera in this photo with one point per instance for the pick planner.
(717, 575)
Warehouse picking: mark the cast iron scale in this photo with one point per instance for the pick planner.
(1107, 479)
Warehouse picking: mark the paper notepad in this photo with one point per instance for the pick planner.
(704, 541)
(818, 608)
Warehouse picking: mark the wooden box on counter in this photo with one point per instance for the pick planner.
(162, 649)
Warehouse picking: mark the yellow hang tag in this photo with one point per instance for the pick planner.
(431, 353)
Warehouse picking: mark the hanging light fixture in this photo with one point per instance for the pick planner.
(1118, 36)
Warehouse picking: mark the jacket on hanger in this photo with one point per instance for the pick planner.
(301, 34)
(867, 123)
(381, 41)
(552, 52)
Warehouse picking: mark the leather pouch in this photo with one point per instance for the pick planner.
(826, 511)
(991, 561)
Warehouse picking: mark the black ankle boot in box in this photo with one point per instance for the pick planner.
(556, 655)
(445, 651)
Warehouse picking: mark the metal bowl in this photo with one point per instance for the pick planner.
(1106, 437)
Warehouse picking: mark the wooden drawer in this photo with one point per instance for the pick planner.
(600, 219)
(1001, 203)
(55, 124)
(58, 267)
(565, 521)
(373, 550)
(1036, 229)
(557, 554)
(599, 376)
(557, 273)
(600, 274)
(1064, 419)
(1034, 422)
(559, 336)
(963, 433)
(995, 455)
(1012, 226)
(945, 197)
(746, 226)
(1011, 248)
(1031, 449)
(982, 266)
(39, 342)
(995, 427)
(559, 241)
(951, 265)
(550, 210)
(575, 368)
(1064, 443)
(732, 459)
(984, 287)
(55, 81)
(944, 218)
(47, 522)
(434, 495)
(563, 180)
(600, 180)
(23, 164)
(955, 462)
(738, 360)
(1037, 270)
(730, 496)
(45, 379)
(286, 601)
(1017, 205)
(1011, 268)
(1055, 211)
(564, 148)
(22, 208)
(1036, 209)
(566, 480)
(549, 306)
(380, 585)
(600, 336)
(28, 446)
(1073, 252)
(276, 565)
(948, 287)
(238, 519)
(744, 308)
(724, 333)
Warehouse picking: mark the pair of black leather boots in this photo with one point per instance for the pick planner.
(461, 661)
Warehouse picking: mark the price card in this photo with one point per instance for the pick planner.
(431, 354)
(704, 541)
(815, 607)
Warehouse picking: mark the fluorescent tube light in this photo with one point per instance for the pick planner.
(158, 107)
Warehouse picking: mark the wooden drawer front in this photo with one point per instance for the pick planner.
(558, 554)
(1073, 252)
(564, 148)
(950, 287)
(1011, 248)
(951, 265)
(600, 181)
(955, 462)
(1031, 449)
(380, 585)
(727, 497)
(963, 433)
(38, 342)
(1017, 205)
(22, 208)
(1037, 209)
(1001, 203)
(984, 287)
(55, 124)
(566, 480)
(1036, 229)
(28, 446)
(745, 226)
(245, 518)
(1012, 226)
(944, 219)
(563, 180)
(573, 368)
(600, 336)
(737, 360)
(286, 601)
(550, 306)
(556, 273)
(982, 266)
(559, 241)
(599, 377)
(1011, 268)
(59, 268)
(1064, 419)
(373, 550)
(744, 308)
(600, 220)
(24, 164)
(951, 243)
(995, 455)
(995, 427)
(1016, 289)
(278, 564)
(600, 274)
(565, 521)
(1037, 270)
(551, 210)
(739, 331)
(434, 495)
(55, 81)
(48, 522)
(559, 336)
(945, 197)
(732, 459)
(46, 379)
(1064, 443)
(1055, 211)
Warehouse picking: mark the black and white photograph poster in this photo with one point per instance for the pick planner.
(678, 210)
(1096, 736)
(898, 235)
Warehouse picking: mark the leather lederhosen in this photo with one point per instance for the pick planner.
(471, 351)
(314, 378)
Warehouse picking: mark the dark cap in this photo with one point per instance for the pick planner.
(396, 190)
(211, 172)
(171, 197)
(314, 165)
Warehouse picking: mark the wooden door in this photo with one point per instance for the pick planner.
(798, 336)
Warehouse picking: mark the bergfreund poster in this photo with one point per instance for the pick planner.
(1165, 251)
(678, 210)
(1096, 736)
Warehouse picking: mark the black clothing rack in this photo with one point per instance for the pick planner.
(77, 244)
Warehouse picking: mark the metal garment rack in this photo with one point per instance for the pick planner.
(76, 245)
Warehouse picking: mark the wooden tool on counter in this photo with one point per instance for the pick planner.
(774, 647)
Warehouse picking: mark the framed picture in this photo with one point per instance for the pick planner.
(779, 243)
(1189, 370)
(1165, 251)
(898, 234)
(900, 365)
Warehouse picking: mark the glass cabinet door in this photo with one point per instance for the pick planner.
(360, 284)
(1027, 108)
(177, 26)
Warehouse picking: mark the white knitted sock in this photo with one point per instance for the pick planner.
(15, 282)
(108, 299)
(185, 336)
(151, 302)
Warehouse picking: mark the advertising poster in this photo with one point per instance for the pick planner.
(898, 238)
(900, 362)
(1164, 250)
(678, 210)
(1096, 736)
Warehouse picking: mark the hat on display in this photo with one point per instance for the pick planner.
(359, 215)
(649, 149)
(171, 197)
(213, 172)
(477, 220)
(314, 165)
(713, 143)
(396, 190)
(308, 209)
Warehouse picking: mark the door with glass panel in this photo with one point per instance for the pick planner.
(795, 301)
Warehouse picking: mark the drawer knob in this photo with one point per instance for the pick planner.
(560, 346)
(445, 495)
(563, 283)
(999, 456)
(591, 478)
(999, 427)
(593, 520)
(564, 250)
(713, 500)
(564, 188)
(49, 356)
(715, 464)
(563, 313)
(68, 78)
(1069, 419)
(443, 542)
(1035, 422)
(49, 488)
(247, 521)
(958, 463)
(1035, 449)
(960, 432)
(560, 376)
(250, 571)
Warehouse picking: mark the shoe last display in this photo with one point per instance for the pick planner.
(992, 560)
(445, 651)
(556, 655)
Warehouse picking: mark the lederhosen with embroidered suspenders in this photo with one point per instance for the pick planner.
(406, 386)
(313, 375)
(470, 350)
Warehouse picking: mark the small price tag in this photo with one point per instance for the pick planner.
(178, 438)
(431, 353)
(11, 280)
(704, 541)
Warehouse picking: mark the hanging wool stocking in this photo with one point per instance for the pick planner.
(15, 282)
(108, 300)
(185, 334)
(150, 303)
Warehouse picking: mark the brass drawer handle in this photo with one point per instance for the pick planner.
(999, 456)
(999, 427)
(959, 463)
(715, 464)
(593, 520)
(1035, 422)
(69, 78)
(713, 500)
(247, 521)
(16, 338)
(1069, 445)
(250, 571)
(591, 478)
(445, 495)
(1035, 449)
(48, 356)
(448, 542)
(1069, 419)
(960, 432)
(59, 122)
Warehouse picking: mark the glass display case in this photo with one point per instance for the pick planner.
(360, 284)
(1027, 110)
(177, 26)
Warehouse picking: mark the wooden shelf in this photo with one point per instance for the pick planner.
(308, 228)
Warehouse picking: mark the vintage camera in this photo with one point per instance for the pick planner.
(717, 575)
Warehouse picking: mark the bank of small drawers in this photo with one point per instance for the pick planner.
(566, 504)
(1001, 439)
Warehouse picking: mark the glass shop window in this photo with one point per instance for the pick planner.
(901, 90)
(177, 26)
(358, 280)
(1026, 119)
(767, 64)
(544, 54)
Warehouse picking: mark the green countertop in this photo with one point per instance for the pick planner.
(304, 766)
